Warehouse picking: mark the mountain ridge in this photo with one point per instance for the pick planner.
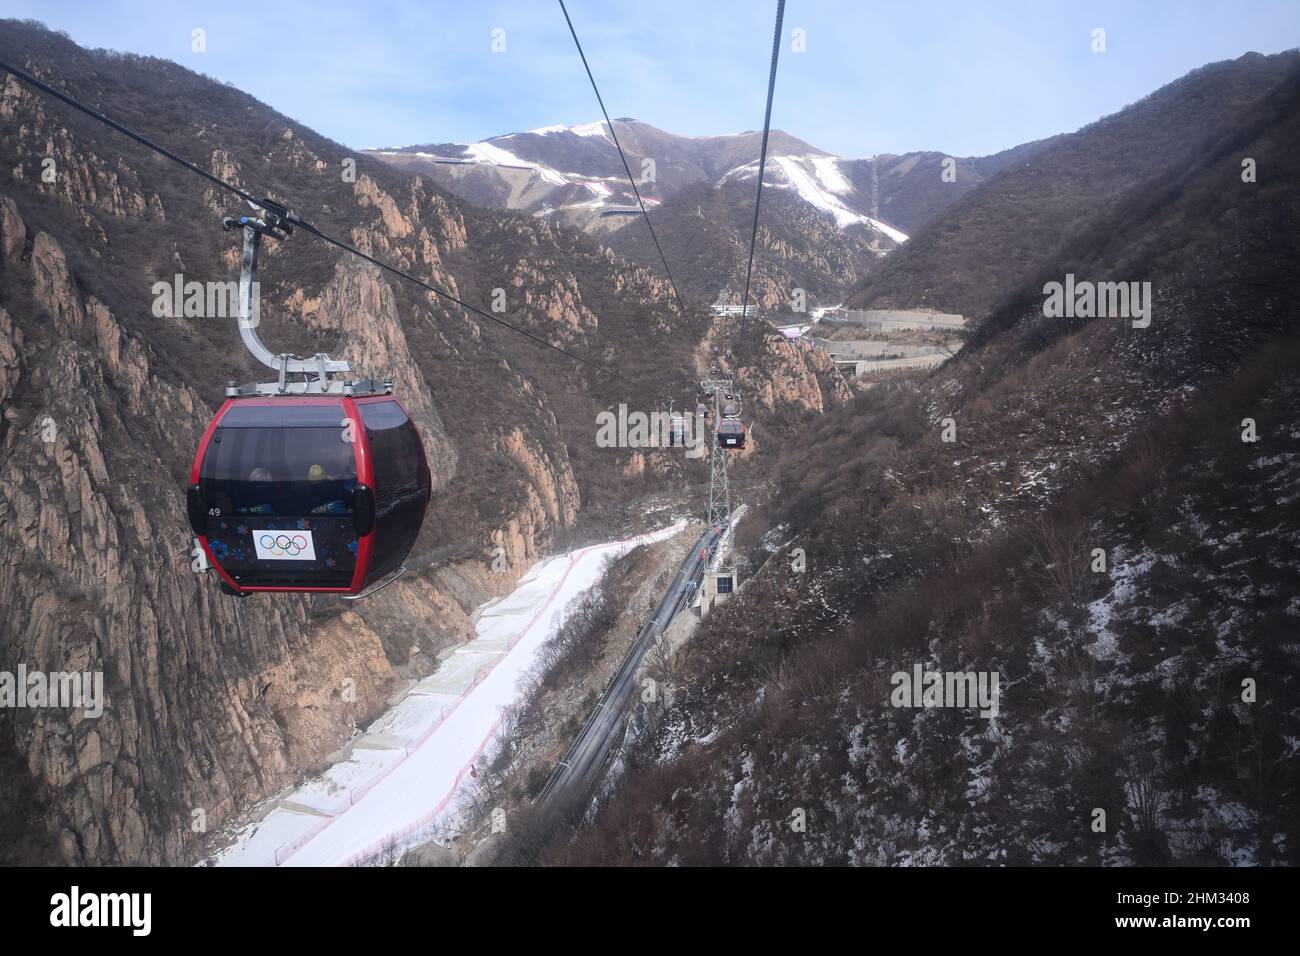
(574, 174)
(566, 154)
(967, 253)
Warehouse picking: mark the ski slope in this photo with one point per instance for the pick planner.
(496, 156)
(413, 764)
(820, 192)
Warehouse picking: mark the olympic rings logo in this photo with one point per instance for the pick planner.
(283, 545)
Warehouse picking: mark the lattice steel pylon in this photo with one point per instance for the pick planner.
(719, 514)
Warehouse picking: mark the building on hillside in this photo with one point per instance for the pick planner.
(896, 320)
(718, 586)
(719, 308)
(859, 357)
(857, 368)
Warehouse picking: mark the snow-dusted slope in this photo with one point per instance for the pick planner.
(494, 155)
(818, 181)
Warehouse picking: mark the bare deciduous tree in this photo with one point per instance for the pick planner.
(1061, 557)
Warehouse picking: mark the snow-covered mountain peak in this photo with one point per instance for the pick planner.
(574, 172)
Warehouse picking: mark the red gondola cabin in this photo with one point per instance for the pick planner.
(318, 493)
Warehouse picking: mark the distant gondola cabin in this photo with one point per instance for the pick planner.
(731, 433)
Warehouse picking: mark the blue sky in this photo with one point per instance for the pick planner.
(967, 78)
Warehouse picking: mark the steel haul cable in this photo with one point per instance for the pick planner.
(762, 162)
(630, 178)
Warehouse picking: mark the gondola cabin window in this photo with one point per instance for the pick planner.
(401, 482)
(295, 468)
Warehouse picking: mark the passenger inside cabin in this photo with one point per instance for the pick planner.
(260, 480)
(321, 480)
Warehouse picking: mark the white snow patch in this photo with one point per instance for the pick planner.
(1102, 611)
(496, 156)
(581, 129)
(828, 171)
(809, 192)
(600, 189)
(589, 129)
(813, 194)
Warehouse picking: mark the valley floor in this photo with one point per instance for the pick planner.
(397, 784)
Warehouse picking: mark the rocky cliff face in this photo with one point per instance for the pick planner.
(209, 701)
(776, 377)
(212, 703)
